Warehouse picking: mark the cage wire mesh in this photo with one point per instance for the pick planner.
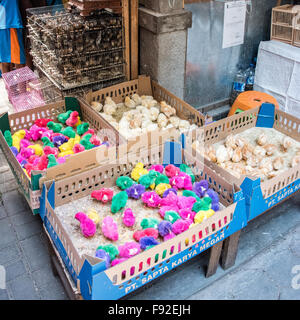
(77, 52)
(23, 92)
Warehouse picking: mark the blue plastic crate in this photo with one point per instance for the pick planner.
(259, 196)
(89, 273)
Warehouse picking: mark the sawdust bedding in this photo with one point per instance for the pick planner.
(66, 214)
(274, 137)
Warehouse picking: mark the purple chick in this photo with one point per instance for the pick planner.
(59, 140)
(200, 188)
(164, 228)
(147, 241)
(135, 191)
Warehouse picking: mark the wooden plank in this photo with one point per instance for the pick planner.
(134, 39)
(214, 258)
(126, 25)
(230, 249)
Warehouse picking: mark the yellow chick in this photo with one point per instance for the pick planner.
(16, 138)
(161, 188)
(138, 171)
(38, 150)
(78, 122)
(93, 215)
(77, 139)
(203, 215)
(67, 146)
(65, 153)
(152, 186)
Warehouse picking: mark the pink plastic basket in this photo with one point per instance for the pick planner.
(21, 95)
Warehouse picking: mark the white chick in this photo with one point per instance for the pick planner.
(184, 125)
(137, 99)
(167, 109)
(237, 155)
(278, 163)
(149, 103)
(97, 106)
(129, 103)
(262, 139)
(266, 164)
(110, 108)
(286, 143)
(175, 121)
(162, 120)
(295, 161)
(230, 142)
(154, 112)
(109, 100)
(259, 151)
(222, 154)
(107, 117)
(270, 149)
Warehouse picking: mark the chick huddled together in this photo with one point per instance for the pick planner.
(48, 143)
(265, 156)
(174, 200)
(141, 114)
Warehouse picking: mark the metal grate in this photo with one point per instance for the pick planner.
(21, 86)
(75, 51)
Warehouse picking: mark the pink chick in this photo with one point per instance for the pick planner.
(110, 228)
(78, 148)
(128, 218)
(73, 119)
(87, 225)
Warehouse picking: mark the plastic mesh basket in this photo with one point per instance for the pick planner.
(18, 84)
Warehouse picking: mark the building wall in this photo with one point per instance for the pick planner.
(210, 69)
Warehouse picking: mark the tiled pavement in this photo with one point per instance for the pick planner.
(24, 254)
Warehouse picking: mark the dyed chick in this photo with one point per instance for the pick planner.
(73, 119)
(69, 132)
(63, 117)
(51, 161)
(16, 138)
(8, 138)
(83, 128)
(55, 127)
(85, 141)
(47, 142)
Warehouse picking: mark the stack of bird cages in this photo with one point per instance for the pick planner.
(296, 41)
(283, 24)
(48, 91)
(88, 7)
(75, 51)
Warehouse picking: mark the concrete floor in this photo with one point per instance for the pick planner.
(267, 265)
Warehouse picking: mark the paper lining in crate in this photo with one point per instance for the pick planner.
(144, 86)
(261, 193)
(31, 187)
(89, 273)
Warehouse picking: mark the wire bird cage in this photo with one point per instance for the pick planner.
(75, 51)
(21, 91)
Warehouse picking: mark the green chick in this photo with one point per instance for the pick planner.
(83, 128)
(8, 138)
(63, 117)
(52, 161)
(47, 142)
(119, 201)
(55, 127)
(69, 132)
